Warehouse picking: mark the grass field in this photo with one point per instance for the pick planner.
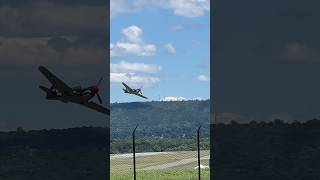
(165, 165)
(163, 175)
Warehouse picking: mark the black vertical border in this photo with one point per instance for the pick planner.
(212, 95)
(107, 50)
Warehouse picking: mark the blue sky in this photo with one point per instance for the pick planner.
(162, 46)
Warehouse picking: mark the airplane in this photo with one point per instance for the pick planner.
(62, 92)
(136, 92)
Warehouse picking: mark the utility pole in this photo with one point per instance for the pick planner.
(198, 138)
(134, 152)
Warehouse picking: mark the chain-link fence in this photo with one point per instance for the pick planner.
(160, 153)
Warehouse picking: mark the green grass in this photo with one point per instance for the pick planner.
(122, 168)
(163, 175)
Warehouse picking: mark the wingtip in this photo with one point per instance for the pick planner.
(41, 68)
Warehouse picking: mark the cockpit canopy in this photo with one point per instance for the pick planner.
(77, 88)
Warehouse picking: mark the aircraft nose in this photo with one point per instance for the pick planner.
(94, 89)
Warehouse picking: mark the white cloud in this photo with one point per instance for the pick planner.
(185, 8)
(173, 98)
(132, 44)
(202, 78)
(189, 8)
(179, 27)
(127, 67)
(176, 98)
(118, 7)
(196, 41)
(170, 48)
(121, 49)
(133, 78)
(134, 73)
(133, 33)
(197, 98)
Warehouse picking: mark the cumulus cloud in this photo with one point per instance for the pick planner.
(197, 98)
(133, 44)
(180, 27)
(133, 33)
(170, 48)
(173, 98)
(202, 78)
(134, 73)
(184, 8)
(189, 8)
(118, 7)
(128, 48)
(177, 98)
(133, 78)
(127, 67)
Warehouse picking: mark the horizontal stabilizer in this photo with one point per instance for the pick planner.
(125, 91)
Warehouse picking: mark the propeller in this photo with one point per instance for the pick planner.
(98, 96)
(140, 89)
(100, 80)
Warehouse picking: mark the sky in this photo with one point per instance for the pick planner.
(267, 60)
(162, 47)
(68, 37)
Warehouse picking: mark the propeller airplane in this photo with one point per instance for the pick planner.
(129, 90)
(62, 92)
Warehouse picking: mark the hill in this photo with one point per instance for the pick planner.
(166, 119)
(273, 150)
(258, 150)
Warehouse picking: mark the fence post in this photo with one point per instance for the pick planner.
(134, 152)
(198, 138)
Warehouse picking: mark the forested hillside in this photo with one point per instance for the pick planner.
(258, 150)
(173, 119)
(264, 151)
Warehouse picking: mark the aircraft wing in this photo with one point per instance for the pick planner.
(54, 80)
(127, 87)
(141, 96)
(96, 107)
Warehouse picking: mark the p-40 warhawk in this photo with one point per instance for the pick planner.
(62, 92)
(136, 92)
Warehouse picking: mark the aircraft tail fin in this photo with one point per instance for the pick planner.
(45, 89)
(49, 95)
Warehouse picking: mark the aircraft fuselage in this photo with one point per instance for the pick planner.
(77, 96)
(134, 91)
